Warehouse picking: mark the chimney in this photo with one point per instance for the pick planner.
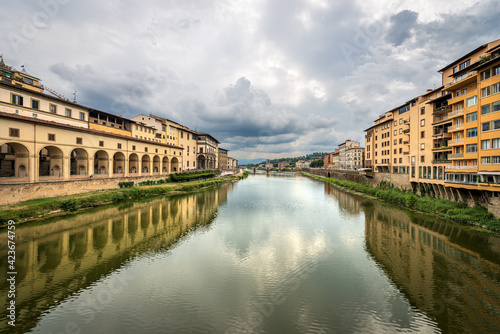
(429, 90)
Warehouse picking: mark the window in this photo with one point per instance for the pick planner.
(395, 150)
(101, 143)
(35, 104)
(17, 99)
(395, 123)
(52, 137)
(145, 149)
(422, 146)
(119, 145)
(464, 64)
(400, 121)
(53, 109)
(471, 132)
(79, 140)
(485, 144)
(400, 131)
(422, 122)
(486, 126)
(485, 109)
(457, 93)
(471, 148)
(420, 171)
(495, 143)
(422, 134)
(471, 101)
(496, 124)
(496, 70)
(422, 111)
(68, 112)
(82, 116)
(496, 106)
(156, 150)
(472, 117)
(495, 160)
(395, 141)
(495, 88)
(455, 69)
(133, 147)
(400, 150)
(400, 140)
(485, 92)
(485, 75)
(35, 115)
(486, 160)
(395, 132)
(464, 91)
(13, 132)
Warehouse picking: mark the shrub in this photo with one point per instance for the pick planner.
(70, 205)
(126, 184)
(410, 199)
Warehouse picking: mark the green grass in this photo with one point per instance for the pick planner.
(42, 206)
(458, 211)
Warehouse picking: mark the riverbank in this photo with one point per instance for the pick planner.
(45, 207)
(475, 216)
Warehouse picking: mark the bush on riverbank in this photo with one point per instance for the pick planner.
(40, 207)
(187, 176)
(458, 211)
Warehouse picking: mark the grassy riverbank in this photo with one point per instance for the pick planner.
(60, 205)
(477, 215)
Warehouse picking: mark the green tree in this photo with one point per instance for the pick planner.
(317, 163)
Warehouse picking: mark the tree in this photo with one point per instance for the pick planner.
(317, 163)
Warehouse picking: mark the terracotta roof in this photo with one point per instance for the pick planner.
(80, 129)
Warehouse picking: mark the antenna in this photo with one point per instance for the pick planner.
(74, 97)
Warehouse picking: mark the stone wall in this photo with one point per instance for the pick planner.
(15, 193)
(399, 180)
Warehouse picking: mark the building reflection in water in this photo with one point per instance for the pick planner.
(449, 272)
(62, 256)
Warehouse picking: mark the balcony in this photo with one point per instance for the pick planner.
(442, 135)
(460, 167)
(459, 141)
(406, 152)
(461, 81)
(442, 110)
(456, 156)
(442, 148)
(441, 161)
(456, 127)
(406, 131)
(456, 113)
(407, 122)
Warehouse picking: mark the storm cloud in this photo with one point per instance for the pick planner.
(266, 78)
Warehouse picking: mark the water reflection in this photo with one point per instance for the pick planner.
(63, 256)
(451, 274)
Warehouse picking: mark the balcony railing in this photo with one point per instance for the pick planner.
(460, 167)
(441, 148)
(455, 156)
(456, 127)
(456, 112)
(463, 77)
(456, 141)
(442, 109)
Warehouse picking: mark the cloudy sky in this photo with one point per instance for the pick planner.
(268, 78)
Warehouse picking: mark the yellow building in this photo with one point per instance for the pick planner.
(47, 138)
(208, 151)
(448, 139)
(223, 161)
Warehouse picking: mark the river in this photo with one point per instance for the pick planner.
(275, 253)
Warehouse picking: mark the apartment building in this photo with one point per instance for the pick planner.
(447, 139)
(327, 161)
(354, 158)
(346, 155)
(222, 158)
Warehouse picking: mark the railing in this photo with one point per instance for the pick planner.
(460, 167)
(456, 127)
(455, 141)
(455, 156)
(441, 148)
(460, 79)
(456, 112)
(440, 109)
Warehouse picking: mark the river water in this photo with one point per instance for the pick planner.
(277, 253)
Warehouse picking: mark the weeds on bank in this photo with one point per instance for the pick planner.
(458, 211)
(39, 207)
